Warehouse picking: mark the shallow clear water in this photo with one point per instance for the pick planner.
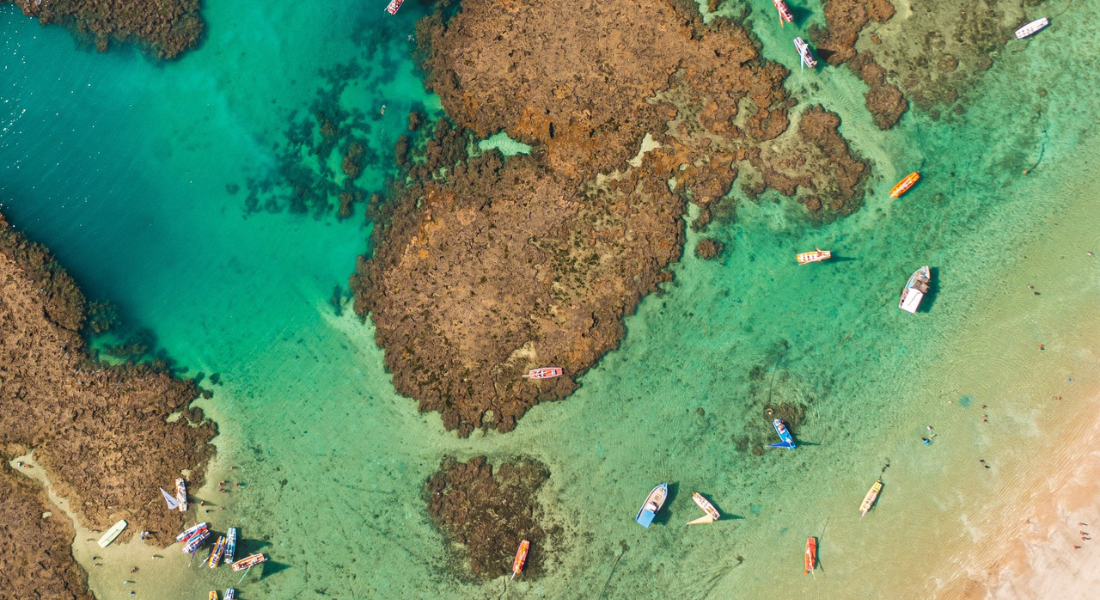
(121, 166)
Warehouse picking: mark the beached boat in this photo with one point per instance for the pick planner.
(521, 557)
(1032, 28)
(784, 12)
(869, 499)
(230, 544)
(216, 552)
(230, 594)
(112, 533)
(192, 544)
(786, 440)
(248, 562)
(190, 531)
(652, 505)
(811, 554)
(904, 185)
(804, 52)
(394, 6)
(915, 289)
(213, 595)
(712, 513)
(544, 373)
(817, 255)
(173, 504)
(181, 494)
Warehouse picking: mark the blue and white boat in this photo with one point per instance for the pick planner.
(653, 503)
(786, 440)
(230, 545)
(915, 289)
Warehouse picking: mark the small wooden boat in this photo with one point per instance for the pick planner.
(904, 185)
(190, 531)
(521, 557)
(817, 255)
(213, 594)
(230, 544)
(112, 533)
(248, 562)
(915, 289)
(712, 513)
(811, 555)
(181, 494)
(804, 52)
(652, 505)
(869, 499)
(784, 12)
(216, 552)
(394, 6)
(544, 373)
(192, 544)
(1032, 28)
(230, 594)
(786, 440)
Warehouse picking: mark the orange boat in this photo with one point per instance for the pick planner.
(817, 255)
(811, 554)
(521, 557)
(904, 185)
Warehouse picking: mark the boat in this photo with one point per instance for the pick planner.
(181, 494)
(786, 440)
(1032, 28)
(544, 373)
(784, 12)
(216, 552)
(112, 533)
(230, 594)
(817, 255)
(915, 289)
(213, 594)
(173, 504)
(804, 52)
(394, 6)
(230, 544)
(192, 544)
(190, 531)
(904, 185)
(652, 505)
(811, 555)
(521, 557)
(248, 562)
(712, 513)
(869, 499)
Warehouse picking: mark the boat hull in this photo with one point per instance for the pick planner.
(521, 558)
(111, 534)
(811, 257)
(915, 289)
(1032, 28)
(712, 513)
(652, 505)
(870, 499)
(905, 184)
(811, 554)
(786, 440)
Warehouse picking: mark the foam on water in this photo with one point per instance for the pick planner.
(121, 166)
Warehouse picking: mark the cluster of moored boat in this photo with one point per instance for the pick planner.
(223, 550)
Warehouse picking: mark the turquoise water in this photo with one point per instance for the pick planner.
(121, 166)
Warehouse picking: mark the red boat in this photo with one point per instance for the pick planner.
(544, 373)
(811, 554)
(394, 6)
(904, 185)
(784, 12)
(521, 557)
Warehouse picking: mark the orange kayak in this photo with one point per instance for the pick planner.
(521, 557)
(817, 255)
(904, 185)
(811, 554)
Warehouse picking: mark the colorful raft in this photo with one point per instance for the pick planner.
(811, 555)
(544, 373)
(190, 531)
(869, 499)
(711, 513)
(192, 544)
(216, 552)
(394, 6)
(904, 185)
(230, 594)
(786, 440)
(521, 558)
(230, 545)
(111, 534)
(804, 52)
(248, 562)
(652, 505)
(784, 12)
(213, 595)
(817, 255)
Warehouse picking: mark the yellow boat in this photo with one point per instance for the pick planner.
(817, 255)
(869, 499)
(904, 185)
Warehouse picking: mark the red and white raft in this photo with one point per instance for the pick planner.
(521, 557)
(784, 12)
(248, 562)
(394, 6)
(544, 373)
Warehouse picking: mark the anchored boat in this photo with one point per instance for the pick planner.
(811, 555)
(230, 594)
(544, 373)
(904, 185)
(817, 255)
(712, 513)
(394, 6)
(786, 440)
(189, 532)
(213, 594)
(1032, 28)
(181, 494)
(784, 12)
(248, 562)
(915, 289)
(216, 552)
(521, 557)
(111, 534)
(230, 544)
(652, 505)
(869, 499)
(193, 543)
(804, 52)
